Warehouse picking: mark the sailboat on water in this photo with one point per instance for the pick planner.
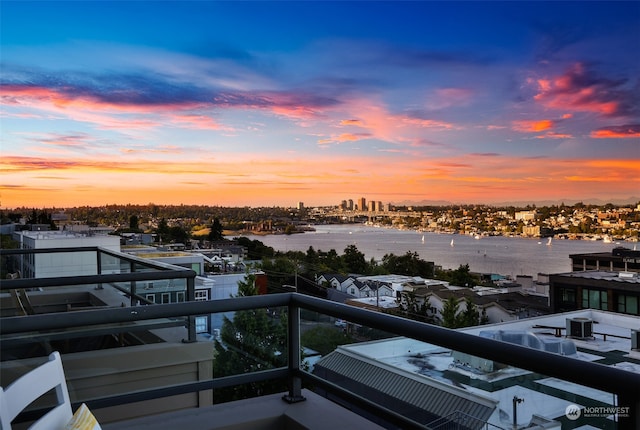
(549, 242)
(451, 242)
(422, 238)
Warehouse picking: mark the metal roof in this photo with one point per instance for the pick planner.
(422, 392)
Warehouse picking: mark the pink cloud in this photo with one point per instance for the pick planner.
(200, 122)
(554, 135)
(354, 122)
(582, 90)
(372, 115)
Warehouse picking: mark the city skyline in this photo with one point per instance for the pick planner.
(271, 103)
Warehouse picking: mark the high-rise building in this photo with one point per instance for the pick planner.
(362, 204)
(350, 204)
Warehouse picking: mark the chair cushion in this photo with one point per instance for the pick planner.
(83, 419)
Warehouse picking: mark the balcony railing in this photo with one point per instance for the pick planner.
(623, 384)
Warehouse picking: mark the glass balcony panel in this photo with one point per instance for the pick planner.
(248, 341)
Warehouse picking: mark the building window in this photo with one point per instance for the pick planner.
(166, 298)
(196, 268)
(594, 299)
(202, 295)
(151, 298)
(180, 296)
(628, 304)
(568, 295)
(202, 324)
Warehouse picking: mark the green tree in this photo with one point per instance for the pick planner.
(280, 271)
(409, 307)
(409, 264)
(450, 313)
(41, 217)
(178, 234)
(216, 231)
(331, 261)
(462, 277)
(163, 231)
(484, 318)
(311, 260)
(354, 261)
(471, 316)
(134, 222)
(256, 250)
(324, 339)
(252, 341)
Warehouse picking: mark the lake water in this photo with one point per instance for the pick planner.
(494, 254)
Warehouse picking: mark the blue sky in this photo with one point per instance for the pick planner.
(270, 103)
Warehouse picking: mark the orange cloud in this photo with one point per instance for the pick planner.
(620, 165)
(617, 132)
(527, 126)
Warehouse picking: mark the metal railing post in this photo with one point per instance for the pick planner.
(99, 267)
(294, 381)
(630, 419)
(191, 319)
(132, 269)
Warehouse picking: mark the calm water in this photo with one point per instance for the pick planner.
(503, 255)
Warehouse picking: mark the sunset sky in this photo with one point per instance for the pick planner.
(270, 103)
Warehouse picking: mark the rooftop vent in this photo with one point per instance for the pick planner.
(580, 328)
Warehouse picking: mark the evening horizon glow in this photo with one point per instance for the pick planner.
(271, 103)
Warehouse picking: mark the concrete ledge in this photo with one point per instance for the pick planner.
(260, 413)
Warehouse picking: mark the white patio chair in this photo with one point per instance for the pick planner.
(29, 387)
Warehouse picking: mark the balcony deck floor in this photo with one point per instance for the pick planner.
(261, 413)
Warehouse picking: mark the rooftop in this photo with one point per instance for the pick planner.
(625, 277)
(544, 396)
